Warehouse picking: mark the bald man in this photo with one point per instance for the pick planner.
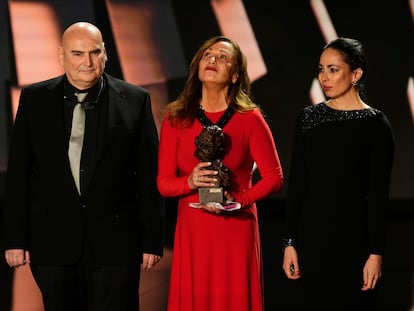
(86, 230)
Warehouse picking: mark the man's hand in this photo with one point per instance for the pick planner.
(149, 261)
(16, 258)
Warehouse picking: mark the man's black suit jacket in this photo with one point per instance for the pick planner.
(120, 213)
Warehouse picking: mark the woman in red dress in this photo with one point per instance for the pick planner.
(217, 263)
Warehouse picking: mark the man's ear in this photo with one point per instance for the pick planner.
(60, 54)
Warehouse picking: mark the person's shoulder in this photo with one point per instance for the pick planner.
(45, 83)
(376, 112)
(310, 116)
(313, 108)
(310, 111)
(120, 83)
(252, 113)
(379, 116)
(252, 117)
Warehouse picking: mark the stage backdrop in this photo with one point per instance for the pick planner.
(151, 43)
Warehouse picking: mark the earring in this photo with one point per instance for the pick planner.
(354, 83)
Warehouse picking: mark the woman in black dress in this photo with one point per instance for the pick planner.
(338, 189)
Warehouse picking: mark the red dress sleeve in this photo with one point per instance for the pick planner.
(168, 182)
(263, 150)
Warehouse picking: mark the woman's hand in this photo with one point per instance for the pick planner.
(201, 177)
(371, 272)
(290, 263)
(229, 197)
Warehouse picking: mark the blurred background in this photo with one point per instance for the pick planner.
(151, 42)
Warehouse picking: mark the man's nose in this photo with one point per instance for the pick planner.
(88, 60)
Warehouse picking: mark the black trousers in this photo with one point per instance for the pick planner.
(87, 286)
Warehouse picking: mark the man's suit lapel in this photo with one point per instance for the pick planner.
(113, 100)
(53, 110)
(56, 120)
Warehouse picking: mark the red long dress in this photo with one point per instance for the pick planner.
(217, 263)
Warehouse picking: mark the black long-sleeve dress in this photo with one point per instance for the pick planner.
(337, 198)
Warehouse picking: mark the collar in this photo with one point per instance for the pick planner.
(94, 93)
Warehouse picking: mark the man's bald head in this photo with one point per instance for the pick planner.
(79, 27)
(82, 54)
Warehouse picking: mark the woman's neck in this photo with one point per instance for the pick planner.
(214, 101)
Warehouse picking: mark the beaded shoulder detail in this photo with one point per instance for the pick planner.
(315, 115)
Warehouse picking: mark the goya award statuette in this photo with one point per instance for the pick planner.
(210, 148)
